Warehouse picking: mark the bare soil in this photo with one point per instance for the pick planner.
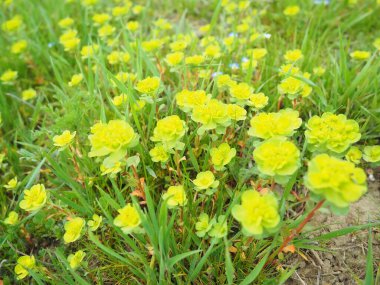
(345, 262)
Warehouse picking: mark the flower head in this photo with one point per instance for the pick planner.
(169, 131)
(174, 58)
(64, 139)
(219, 228)
(24, 264)
(34, 198)
(268, 125)
(236, 112)
(128, 219)
(95, 222)
(11, 219)
(354, 155)
(222, 155)
(112, 138)
(257, 212)
(212, 115)
(187, 100)
(175, 196)
(28, 94)
(205, 180)
(258, 100)
(293, 55)
(241, 92)
(12, 183)
(148, 85)
(19, 46)
(76, 259)
(291, 10)
(9, 76)
(277, 157)
(360, 55)
(372, 153)
(338, 181)
(76, 79)
(12, 25)
(203, 225)
(331, 133)
(159, 154)
(73, 229)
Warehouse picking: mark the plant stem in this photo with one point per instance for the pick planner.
(294, 233)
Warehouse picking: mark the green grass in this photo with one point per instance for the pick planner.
(168, 251)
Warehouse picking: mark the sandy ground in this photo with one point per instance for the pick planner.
(345, 265)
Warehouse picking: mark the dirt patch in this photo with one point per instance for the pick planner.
(346, 263)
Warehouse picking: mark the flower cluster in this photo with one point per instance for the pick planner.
(331, 133)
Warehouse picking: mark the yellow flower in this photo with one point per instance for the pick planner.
(204, 29)
(112, 138)
(219, 228)
(268, 125)
(338, 181)
(73, 229)
(294, 87)
(128, 219)
(69, 40)
(119, 100)
(76, 79)
(159, 154)
(169, 131)
(293, 55)
(95, 222)
(111, 169)
(236, 112)
(178, 45)
(241, 92)
(205, 180)
(319, 70)
(19, 46)
(354, 155)
(133, 26)
(291, 10)
(174, 58)
(64, 139)
(12, 183)
(257, 212)
(222, 155)
(331, 133)
(12, 25)
(9, 76)
(11, 219)
(187, 100)
(372, 153)
(89, 3)
(225, 81)
(376, 43)
(163, 24)
(212, 51)
(360, 55)
(34, 198)
(212, 115)
(289, 69)
(120, 11)
(24, 264)
(28, 94)
(258, 100)
(88, 51)
(148, 85)
(259, 53)
(152, 45)
(100, 18)
(76, 258)
(139, 105)
(106, 30)
(175, 196)
(194, 60)
(277, 157)
(203, 225)
(66, 22)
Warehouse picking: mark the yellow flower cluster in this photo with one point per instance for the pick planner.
(277, 157)
(73, 229)
(169, 131)
(187, 100)
(24, 264)
(222, 155)
(257, 213)
(338, 181)
(331, 133)
(34, 198)
(268, 125)
(128, 219)
(175, 196)
(205, 181)
(148, 85)
(113, 139)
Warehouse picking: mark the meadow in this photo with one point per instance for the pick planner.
(189, 142)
